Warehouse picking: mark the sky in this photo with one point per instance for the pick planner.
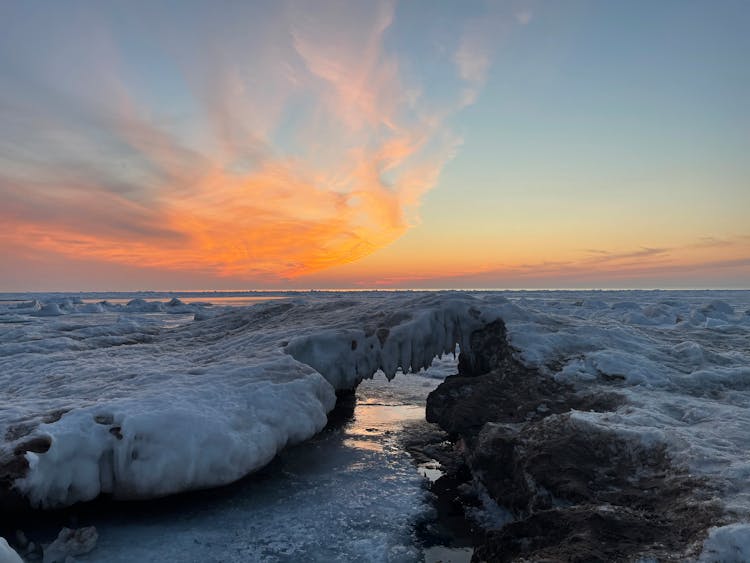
(362, 144)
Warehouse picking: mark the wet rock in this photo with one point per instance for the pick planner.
(489, 350)
(595, 533)
(38, 444)
(560, 458)
(493, 386)
(70, 543)
(577, 533)
(578, 492)
(12, 466)
(586, 494)
(426, 442)
(514, 393)
(447, 523)
(21, 540)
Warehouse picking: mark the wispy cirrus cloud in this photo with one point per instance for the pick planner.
(251, 141)
(482, 35)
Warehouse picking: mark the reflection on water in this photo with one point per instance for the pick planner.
(373, 424)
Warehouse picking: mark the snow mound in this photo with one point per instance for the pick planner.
(729, 544)
(7, 553)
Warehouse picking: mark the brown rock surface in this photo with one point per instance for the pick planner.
(578, 492)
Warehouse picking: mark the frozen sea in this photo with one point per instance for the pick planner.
(351, 493)
(138, 396)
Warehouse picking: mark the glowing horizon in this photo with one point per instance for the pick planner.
(374, 144)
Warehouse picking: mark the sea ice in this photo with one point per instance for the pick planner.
(7, 553)
(70, 543)
(135, 410)
(135, 406)
(728, 544)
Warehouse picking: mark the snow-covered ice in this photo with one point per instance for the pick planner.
(729, 544)
(138, 410)
(139, 400)
(351, 493)
(70, 543)
(7, 553)
(682, 359)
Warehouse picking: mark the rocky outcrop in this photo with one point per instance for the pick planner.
(586, 494)
(488, 350)
(13, 466)
(511, 393)
(578, 492)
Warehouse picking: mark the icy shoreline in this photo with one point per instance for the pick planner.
(139, 412)
(115, 400)
(350, 493)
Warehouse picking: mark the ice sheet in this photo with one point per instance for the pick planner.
(136, 409)
(198, 403)
(7, 553)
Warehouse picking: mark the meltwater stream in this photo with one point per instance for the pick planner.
(349, 494)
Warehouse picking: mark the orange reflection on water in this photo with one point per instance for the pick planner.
(373, 423)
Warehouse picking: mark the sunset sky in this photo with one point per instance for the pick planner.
(249, 145)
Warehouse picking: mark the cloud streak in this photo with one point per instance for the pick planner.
(723, 262)
(222, 148)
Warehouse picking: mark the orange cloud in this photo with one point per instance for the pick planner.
(710, 262)
(218, 193)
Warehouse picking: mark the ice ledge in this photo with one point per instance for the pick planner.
(407, 338)
(205, 404)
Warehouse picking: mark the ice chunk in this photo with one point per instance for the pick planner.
(729, 544)
(70, 543)
(184, 439)
(7, 553)
(49, 310)
(717, 308)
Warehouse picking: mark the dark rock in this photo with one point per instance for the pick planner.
(592, 492)
(12, 467)
(597, 533)
(54, 415)
(37, 444)
(513, 393)
(105, 419)
(579, 492)
(576, 534)
(489, 350)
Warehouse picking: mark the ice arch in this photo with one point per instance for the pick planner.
(139, 414)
